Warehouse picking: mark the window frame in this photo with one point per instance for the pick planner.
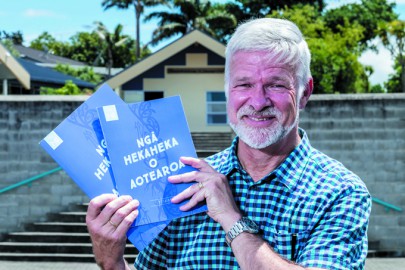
(210, 113)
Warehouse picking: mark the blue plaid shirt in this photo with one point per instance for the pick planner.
(311, 205)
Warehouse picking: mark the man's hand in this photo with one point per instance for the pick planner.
(108, 219)
(212, 187)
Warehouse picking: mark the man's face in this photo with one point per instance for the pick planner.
(262, 100)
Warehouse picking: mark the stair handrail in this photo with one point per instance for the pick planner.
(387, 206)
(30, 180)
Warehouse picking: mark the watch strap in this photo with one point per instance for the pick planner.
(242, 225)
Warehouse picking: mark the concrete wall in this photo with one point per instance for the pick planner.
(365, 132)
(24, 121)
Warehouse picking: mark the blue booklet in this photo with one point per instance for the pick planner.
(145, 141)
(77, 145)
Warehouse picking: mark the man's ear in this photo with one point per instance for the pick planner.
(307, 93)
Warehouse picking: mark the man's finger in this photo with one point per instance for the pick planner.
(97, 204)
(122, 213)
(110, 208)
(196, 199)
(126, 223)
(183, 178)
(198, 164)
(185, 194)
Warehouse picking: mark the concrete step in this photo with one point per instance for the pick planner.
(207, 153)
(48, 237)
(61, 248)
(81, 207)
(75, 227)
(68, 217)
(55, 257)
(63, 237)
(216, 141)
(386, 254)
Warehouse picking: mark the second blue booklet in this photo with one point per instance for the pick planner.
(145, 141)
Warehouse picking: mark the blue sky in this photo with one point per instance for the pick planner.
(62, 19)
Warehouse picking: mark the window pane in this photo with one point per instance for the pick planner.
(216, 96)
(217, 119)
(216, 108)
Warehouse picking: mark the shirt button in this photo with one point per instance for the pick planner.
(253, 187)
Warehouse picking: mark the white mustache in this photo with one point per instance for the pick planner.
(268, 112)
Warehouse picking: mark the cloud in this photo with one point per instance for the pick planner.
(381, 63)
(39, 13)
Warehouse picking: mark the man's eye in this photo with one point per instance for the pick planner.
(245, 85)
(277, 87)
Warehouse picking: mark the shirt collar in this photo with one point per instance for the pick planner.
(288, 172)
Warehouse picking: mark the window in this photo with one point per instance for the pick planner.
(132, 96)
(216, 108)
(153, 95)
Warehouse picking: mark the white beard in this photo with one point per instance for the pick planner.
(259, 138)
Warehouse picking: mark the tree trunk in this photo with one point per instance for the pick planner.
(403, 77)
(137, 28)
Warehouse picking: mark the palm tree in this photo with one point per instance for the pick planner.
(191, 15)
(109, 44)
(138, 9)
(392, 35)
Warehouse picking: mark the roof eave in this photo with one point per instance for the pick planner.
(166, 52)
(15, 68)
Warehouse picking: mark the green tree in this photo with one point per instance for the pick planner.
(68, 89)
(369, 14)
(190, 15)
(335, 66)
(93, 48)
(394, 84)
(15, 37)
(8, 44)
(112, 46)
(84, 47)
(245, 9)
(392, 35)
(138, 9)
(46, 42)
(85, 73)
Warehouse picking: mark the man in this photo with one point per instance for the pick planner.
(276, 201)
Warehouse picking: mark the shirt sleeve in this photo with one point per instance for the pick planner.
(339, 241)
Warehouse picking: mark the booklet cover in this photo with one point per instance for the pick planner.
(145, 141)
(77, 145)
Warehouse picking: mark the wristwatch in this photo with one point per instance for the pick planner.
(242, 225)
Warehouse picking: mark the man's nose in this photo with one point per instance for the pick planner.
(259, 99)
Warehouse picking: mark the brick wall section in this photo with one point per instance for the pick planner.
(24, 121)
(365, 132)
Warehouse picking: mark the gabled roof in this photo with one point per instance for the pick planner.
(44, 57)
(173, 48)
(10, 68)
(48, 75)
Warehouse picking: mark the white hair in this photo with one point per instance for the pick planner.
(280, 38)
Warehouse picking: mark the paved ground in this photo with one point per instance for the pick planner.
(8, 265)
(371, 264)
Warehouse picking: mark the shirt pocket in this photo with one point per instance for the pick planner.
(286, 244)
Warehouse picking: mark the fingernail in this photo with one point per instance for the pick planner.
(135, 203)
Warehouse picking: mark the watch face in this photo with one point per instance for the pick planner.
(251, 226)
(243, 225)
